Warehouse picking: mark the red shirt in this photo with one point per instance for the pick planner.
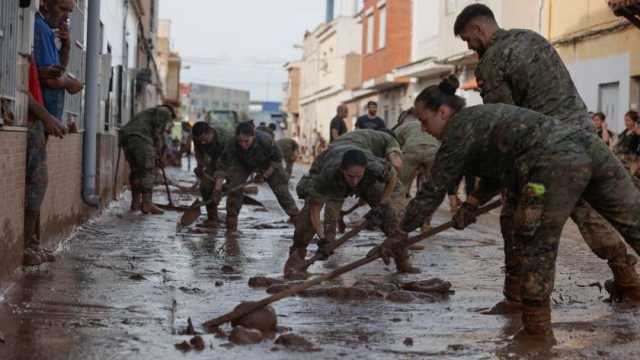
(34, 87)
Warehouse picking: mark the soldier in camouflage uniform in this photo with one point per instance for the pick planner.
(340, 172)
(253, 151)
(210, 142)
(289, 149)
(142, 141)
(550, 167)
(522, 68)
(418, 153)
(381, 144)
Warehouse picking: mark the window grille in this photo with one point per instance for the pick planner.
(8, 54)
(73, 105)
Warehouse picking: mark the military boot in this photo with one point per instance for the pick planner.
(294, 266)
(512, 302)
(232, 225)
(626, 282)
(136, 200)
(403, 264)
(148, 207)
(536, 321)
(212, 217)
(31, 258)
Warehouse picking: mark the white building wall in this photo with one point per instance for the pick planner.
(426, 29)
(112, 15)
(588, 75)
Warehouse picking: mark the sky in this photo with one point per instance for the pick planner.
(241, 44)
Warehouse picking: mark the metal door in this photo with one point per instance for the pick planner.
(608, 100)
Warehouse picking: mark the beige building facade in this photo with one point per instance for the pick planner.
(602, 52)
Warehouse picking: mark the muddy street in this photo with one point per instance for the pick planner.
(124, 287)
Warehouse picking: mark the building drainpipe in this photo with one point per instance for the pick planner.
(89, 143)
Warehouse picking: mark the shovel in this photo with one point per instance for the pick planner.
(211, 325)
(193, 213)
(352, 233)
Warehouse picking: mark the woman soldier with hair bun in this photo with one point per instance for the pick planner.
(547, 165)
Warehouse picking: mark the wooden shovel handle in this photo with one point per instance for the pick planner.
(212, 324)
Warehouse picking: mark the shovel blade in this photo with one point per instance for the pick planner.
(190, 215)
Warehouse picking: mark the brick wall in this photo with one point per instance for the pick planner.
(107, 159)
(63, 207)
(13, 159)
(397, 50)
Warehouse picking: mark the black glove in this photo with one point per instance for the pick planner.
(375, 216)
(465, 216)
(324, 249)
(199, 171)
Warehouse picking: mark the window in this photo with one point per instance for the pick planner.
(450, 7)
(370, 29)
(8, 57)
(382, 26)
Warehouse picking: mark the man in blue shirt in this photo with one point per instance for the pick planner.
(54, 14)
(49, 71)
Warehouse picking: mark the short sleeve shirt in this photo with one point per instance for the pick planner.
(365, 122)
(46, 54)
(339, 125)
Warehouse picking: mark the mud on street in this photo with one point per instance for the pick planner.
(125, 285)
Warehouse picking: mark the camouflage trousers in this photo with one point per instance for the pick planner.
(288, 162)
(37, 175)
(414, 163)
(141, 156)
(278, 182)
(207, 186)
(393, 212)
(546, 190)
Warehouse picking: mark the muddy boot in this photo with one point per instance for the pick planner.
(512, 303)
(536, 322)
(294, 267)
(136, 201)
(45, 255)
(403, 264)
(212, 217)
(626, 282)
(148, 207)
(232, 225)
(31, 258)
(324, 249)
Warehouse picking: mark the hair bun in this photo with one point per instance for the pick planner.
(449, 85)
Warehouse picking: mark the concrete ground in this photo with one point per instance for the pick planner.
(125, 284)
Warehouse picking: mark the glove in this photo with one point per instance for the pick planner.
(465, 216)
(258, 179)
(324, 249)
(389, 247)
(375, 216)
(199, 172)
(267, 173)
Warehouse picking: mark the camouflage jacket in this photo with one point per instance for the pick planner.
(263, 153)
(288, 148)
(520, 67)
(487, 141)
(414, 140)
(379, 143)
(325, 181)
(207, 155)
(149, 124)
